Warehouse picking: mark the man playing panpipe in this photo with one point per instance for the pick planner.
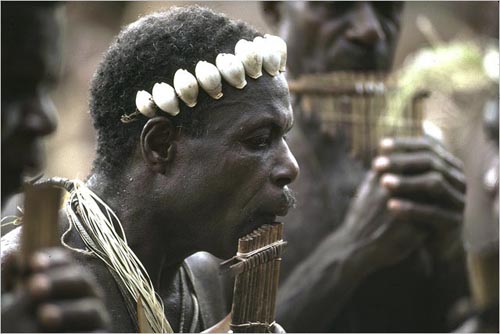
(191, 156)
(54, 293)
(360, 256)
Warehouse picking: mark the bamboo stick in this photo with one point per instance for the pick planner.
(40, 220)
(256, 281)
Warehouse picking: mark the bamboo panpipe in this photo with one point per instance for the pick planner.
(256, 266)
(483, 278)
(355, 104)
(40, 220)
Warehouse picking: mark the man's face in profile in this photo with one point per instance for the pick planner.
(234, 177)
(339, 35)
(30, 66)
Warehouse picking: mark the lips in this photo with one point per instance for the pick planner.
(351, 60)
(280, 206)
(257, 222)
(277, 204)
(282, 210)
(26, 156)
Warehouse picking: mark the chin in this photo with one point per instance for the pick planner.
(11, 183)
(224, 246)
(225, 254)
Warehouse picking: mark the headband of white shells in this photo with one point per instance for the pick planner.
(268, 52)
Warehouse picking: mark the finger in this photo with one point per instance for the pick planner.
(422, 143)
(430, 186)
(223, 326)
(419, 162)
(277, 328)
(62, 283)
(47, 258)
(10, 271)
(75, 316)
(425, 215)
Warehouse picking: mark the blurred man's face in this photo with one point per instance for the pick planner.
(30, 65)
(337, 35)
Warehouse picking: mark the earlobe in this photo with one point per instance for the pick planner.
(158, 144)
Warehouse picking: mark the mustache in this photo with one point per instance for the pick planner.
(289, 198)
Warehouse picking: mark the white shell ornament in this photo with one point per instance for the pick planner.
(270, 56)
(232, 69)
(165, 98)
(250, 56)
(280, 45)
(144, 103)
(186, 87)
(209, 78)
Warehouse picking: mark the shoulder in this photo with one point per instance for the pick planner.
(203, 263)
(212, 287)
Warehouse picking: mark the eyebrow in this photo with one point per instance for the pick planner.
(266, 121)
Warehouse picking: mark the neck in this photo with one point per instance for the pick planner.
(151, 238)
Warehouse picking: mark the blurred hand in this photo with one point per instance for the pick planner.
(222, 326)
(414, 193)
(277, 328)
(57, 295)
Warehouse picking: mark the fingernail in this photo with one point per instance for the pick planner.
(394, 204)
(390, 181)
(50, 315)
(381, 163)
(387, 143)
(39, 286)
(40, 261)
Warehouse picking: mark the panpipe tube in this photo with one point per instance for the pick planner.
(257, 267)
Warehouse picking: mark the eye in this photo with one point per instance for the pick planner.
(324, 10)
(259, 142)
(390, 14)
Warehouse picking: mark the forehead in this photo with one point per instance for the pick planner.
(30, 43)
(264, 100)
(337, 9)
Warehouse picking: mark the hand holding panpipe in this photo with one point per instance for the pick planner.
(256, 266)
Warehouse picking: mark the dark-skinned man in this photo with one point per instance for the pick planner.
(178, 175)
(30, 65)
(358, 258)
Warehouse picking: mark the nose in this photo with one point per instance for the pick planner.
(41, 116)
(286, 169)
(365, 27)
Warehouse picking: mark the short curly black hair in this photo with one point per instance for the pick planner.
(148, 51)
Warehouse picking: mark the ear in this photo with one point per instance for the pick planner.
(158, 143)
(272, 12)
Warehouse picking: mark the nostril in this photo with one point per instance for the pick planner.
(366, 28)
(366, 35)
(286, 170)
(283, 181)
(42, 117)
